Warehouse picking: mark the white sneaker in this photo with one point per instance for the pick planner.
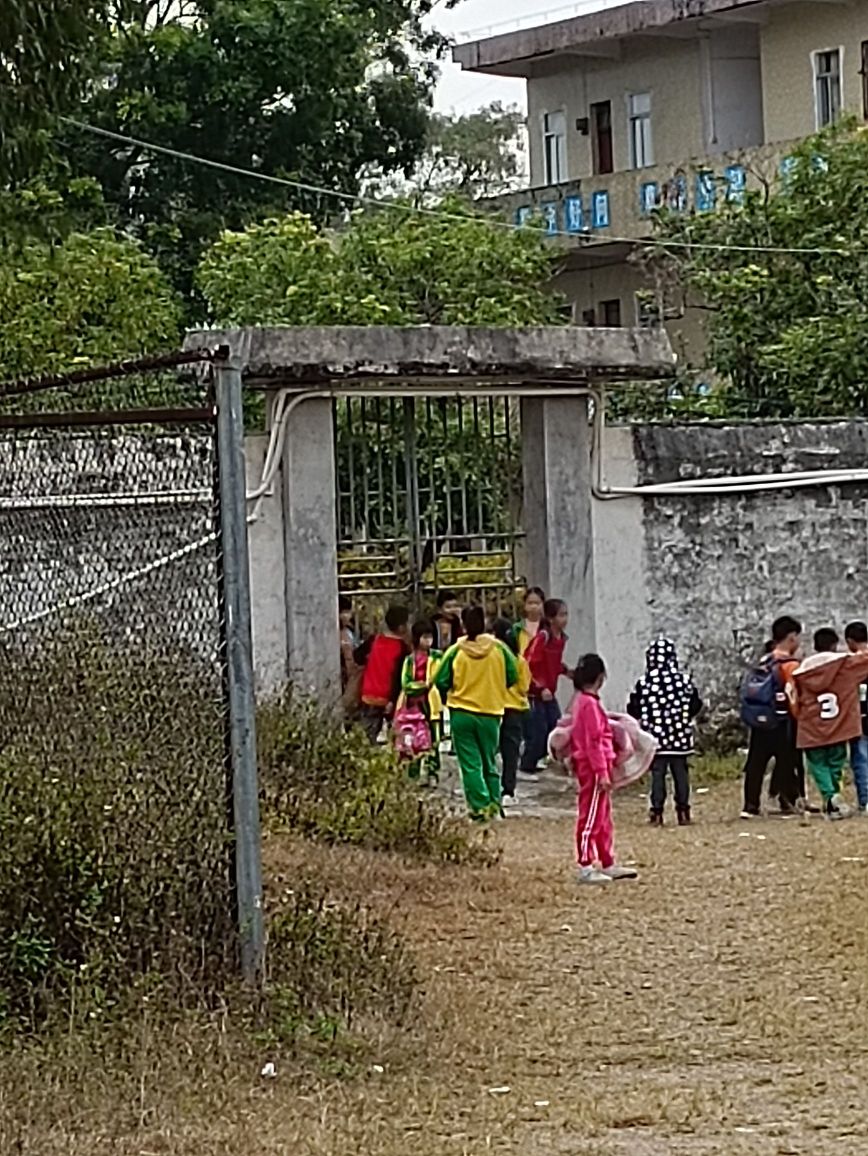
(864, 811)
(749, 815)
(838, 809)
(509, 802)
(618, 872)
(591, 875)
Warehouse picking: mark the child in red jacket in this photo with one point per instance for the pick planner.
(593, 756)
(545, 657)
(381, 681)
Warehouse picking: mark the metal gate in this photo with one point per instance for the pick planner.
(429, 497)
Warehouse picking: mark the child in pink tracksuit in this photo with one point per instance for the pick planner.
(593, 756)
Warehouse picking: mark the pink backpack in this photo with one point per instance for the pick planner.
(411, 733)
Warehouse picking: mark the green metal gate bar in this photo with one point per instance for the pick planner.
(429, 496)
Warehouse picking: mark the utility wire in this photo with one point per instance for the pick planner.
(361, 199)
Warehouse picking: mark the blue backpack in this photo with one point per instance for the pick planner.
(763, 697)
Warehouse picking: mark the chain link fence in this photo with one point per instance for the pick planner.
(115, 858)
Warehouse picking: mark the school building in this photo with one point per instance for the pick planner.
(667, 102)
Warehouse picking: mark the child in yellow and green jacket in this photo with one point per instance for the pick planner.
(417, 677)
(475, 675)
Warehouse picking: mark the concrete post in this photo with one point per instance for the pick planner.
(310, 536)
(556, 440)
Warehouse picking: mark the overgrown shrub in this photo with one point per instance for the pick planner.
(324, 782)
(115, 850)
(114, 845)
(331, 967)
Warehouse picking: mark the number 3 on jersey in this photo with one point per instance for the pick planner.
(829, 708)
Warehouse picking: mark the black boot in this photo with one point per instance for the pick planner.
(655, 818)
(684, 819)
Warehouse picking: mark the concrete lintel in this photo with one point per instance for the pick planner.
(445, 354)
(498, 53)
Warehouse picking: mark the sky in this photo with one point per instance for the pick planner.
(463, 92)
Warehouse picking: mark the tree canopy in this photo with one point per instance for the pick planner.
(47, 52)
(91, 298)
(320, 91)
(393, 266)
(475, 154)
(787, 292)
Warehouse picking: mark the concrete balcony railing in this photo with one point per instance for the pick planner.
(618, 206)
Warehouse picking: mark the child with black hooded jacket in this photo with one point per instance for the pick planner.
(665, 702)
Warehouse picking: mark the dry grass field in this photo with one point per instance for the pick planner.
(718, 1006)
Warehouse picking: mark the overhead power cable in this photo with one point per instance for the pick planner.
(494, 222)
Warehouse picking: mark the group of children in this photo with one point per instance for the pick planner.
(454, 657)
(499, 684)
(808, 711)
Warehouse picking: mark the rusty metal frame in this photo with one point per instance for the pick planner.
(23, 386)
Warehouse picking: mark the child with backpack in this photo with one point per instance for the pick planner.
(665, 703)
(765, 710)
(417, 690)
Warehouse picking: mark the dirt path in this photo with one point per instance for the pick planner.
(719, 1006)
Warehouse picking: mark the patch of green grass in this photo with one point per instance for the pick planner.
(709, 770)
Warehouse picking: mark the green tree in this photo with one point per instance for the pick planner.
(393, 266)
(47, 49)
(48, 206)
(316, 90)
(92, 298)
(476, 154)
(788, 329)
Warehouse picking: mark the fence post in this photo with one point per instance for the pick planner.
(239, 661)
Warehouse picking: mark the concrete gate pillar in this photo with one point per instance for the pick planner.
(310, 536)
(556, 437)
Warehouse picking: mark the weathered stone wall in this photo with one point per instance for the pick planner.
(718, 569)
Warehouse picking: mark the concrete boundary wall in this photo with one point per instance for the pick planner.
(712, 572)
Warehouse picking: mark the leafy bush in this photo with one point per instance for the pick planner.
(114, 848)
(115, 854)
(327, 783)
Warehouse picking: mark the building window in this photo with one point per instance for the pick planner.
(555, 147)
(611, 313)
(648, 312)
(827, 86)
(601, 141)
(639, 115)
